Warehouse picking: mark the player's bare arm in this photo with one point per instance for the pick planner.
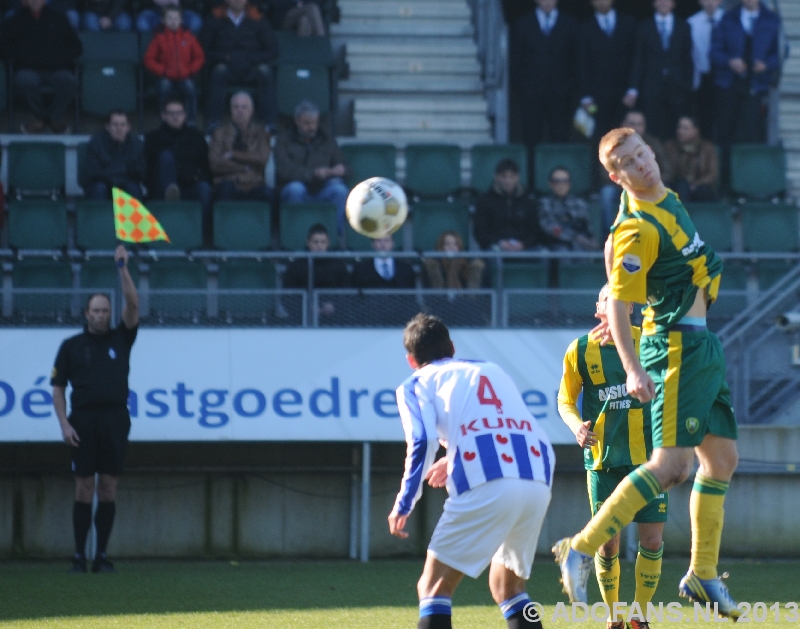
(60, 404)
(639, 384)
(130, 313)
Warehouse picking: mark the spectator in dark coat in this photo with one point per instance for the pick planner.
(43, 47)
(606, 54)
(506, 218)
(563, 217)
(745, 57)
(177, 161)
(702, 25)
(544, 51)
(663, 72)
(114, 158)
(105, 15)
(239, 51)
(694, 163)
(384, 271)
(303, 17)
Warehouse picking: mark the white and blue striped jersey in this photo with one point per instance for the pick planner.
(474, 409)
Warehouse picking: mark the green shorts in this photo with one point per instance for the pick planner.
(602, 483)
(692, 397)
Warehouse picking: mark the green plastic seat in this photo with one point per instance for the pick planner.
(102, 273)
(297, 218)
(522, 274)
(358, 242)
(758, 171)
(769, 227)
(108, 85)
(431, 218)
(80, 152)
(46, 274)
(524, 308)
(714, 223)
(581, 274)
(36, 167)
(297, 82)
(37, 224)
(242, 275)
(295, 49)
(183, 222)
(369, 160)
(3, 87)
(242, 225)
(94, 224)
(170, 279)
(575, 157)
(485, 157)
(41, 273)
(433, 170)
(109, 46)
(732, 298)
(771, 271)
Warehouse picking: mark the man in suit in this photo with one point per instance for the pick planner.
(544, 67)
(744, 54)
(606, 53)
(702, 24)
(383, 271)
(661, 78)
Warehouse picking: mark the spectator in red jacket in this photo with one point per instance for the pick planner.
(175, 56)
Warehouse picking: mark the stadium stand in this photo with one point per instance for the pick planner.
(242, 225)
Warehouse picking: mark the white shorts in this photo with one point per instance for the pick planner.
(496, 521)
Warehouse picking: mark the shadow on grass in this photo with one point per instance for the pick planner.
(36, 590)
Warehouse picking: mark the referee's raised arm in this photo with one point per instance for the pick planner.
(130, 313)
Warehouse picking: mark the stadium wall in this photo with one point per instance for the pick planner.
(291, 500)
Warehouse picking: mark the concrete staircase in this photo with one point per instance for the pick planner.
(414, 71)
(789, 99)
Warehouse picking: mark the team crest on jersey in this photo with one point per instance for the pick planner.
(594, 368)
(631, 263)
(692, 424)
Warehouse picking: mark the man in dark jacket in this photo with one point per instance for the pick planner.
(744, 55)
(309, 165)
(239, 50)
(177, 161)
(43, 48)
(114, 158)
(506, 217)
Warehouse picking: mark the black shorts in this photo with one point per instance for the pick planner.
(104, 437)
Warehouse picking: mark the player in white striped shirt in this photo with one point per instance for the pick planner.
(499, 469)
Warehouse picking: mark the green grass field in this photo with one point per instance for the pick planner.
(333, 594)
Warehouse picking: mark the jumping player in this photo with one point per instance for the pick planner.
(499, 473)
(616, 438)
(654, 255)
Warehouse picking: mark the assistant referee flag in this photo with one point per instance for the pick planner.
(133, 222)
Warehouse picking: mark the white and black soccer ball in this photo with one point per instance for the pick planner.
(376, 207)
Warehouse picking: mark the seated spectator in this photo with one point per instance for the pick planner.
(506, 218)
(36, 64)
(177, 162)
(694, 163)
(151, 17)
(105, 15)
(114, 158)
(238, 154)
(309, 165)
(252, 11)
(239, 51)
(383, 271)
(563, 217)
(303, 17)
(175, 57)
(453, 273)
(610, 192)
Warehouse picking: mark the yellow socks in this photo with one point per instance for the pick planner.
(607, 571)
(648, 573)
(707, 516)
(633, 493)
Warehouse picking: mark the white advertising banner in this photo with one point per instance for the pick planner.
(274, 385)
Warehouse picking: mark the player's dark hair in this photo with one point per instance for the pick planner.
(173, 100)
(92, 296)
(316, 228)
(427, 339)
(116, 112)
(506, 165)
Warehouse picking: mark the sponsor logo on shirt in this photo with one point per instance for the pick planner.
(693, 246)
(613, 392)
(631, 263)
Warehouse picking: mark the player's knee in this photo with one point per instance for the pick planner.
(610, 548)
(650, 538)
(84, 488)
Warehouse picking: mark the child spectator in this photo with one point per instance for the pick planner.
(175, 56)
(453, 273)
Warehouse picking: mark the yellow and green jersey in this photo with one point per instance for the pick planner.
(621, 422)
(660, 260)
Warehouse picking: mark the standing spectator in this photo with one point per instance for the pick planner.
(309, 165)
(303, 17)
(694, 163)
(744, 53)
(506, 218)
(175, 57)
(238, 153)
(43, 48)
(609, 191)
(177, 161)
(114, 158)
(454, 273)
(702, 25)
(239, 50)
(544, 50)
(606, 47)
(105, 15)
(383, 271)
(96, 363)
(661, 79)
(150, 18)
(563, 217)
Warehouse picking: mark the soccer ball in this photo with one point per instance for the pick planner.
(376, 207)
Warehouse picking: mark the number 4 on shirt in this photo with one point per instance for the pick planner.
(486, 394)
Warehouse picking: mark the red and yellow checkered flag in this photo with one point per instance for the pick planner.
(133, 221)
